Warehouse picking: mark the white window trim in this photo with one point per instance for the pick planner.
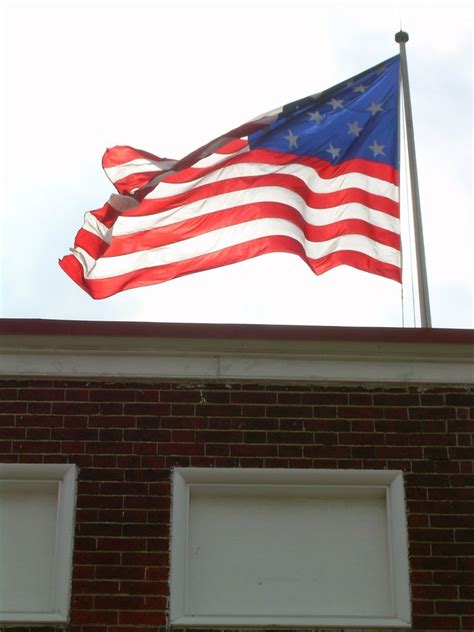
(64, 475)
(392, 481)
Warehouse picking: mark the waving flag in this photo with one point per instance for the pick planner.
(317, 178)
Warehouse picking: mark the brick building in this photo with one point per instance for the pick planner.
(301, 416)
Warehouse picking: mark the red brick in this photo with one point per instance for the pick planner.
(111, 395)
(424, 622)
(249, 397)
(39, 408)
(253, 450)
(455, 607)
(432, 412)
(119, 602)
(92, 587)
(120, 572)
(39, 447)
(180, 448)
(75, 408)
(363, 412)
(454, 577)
(41, 394)
(460, 399)
(218, 436)
(300, 438)
(422, 607)
(434, 592)
(13, 407)
(77, 394)
(149, 587)
(396, 399)
(112, 421)
(142, 618)
(297, 412)
(86, 617)
(8, 394)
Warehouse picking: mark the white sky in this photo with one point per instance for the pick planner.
(77, 77)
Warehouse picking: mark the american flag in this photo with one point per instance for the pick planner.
(317, 178)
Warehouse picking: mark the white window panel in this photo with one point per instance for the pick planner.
(289, 548)
(37, 503)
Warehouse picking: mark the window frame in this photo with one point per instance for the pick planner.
(187, 479)
(64, 476)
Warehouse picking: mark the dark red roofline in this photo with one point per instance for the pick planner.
(40, 327)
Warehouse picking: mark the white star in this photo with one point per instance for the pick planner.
(354, 128)
(291, 138)
(316, 116)
(360, 88)
(336, 103)
(334, 151)
(349, 83)
(377, 149)
(375, 107)
(380, 69)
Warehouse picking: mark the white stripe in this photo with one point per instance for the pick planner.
(209, 161)
(121, 203)
(129, 224)
(268, 117)
(307, 174)
(94, 226)
(139, 165)
(215, 159)
(225, 237)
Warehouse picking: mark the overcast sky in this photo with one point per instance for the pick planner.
(78, 77)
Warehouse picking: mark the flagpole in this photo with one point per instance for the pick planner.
(425, 316)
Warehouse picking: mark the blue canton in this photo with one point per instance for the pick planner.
(358, 118)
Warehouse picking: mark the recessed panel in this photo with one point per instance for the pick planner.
(28, 525)
(270, 555)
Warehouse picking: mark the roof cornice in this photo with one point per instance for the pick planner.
(145, 351)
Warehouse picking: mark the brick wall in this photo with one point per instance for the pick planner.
(126, 438)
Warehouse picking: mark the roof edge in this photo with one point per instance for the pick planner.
(51, 327)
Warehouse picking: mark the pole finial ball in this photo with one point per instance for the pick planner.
(401, 36)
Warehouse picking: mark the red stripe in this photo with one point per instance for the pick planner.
(102, 288)
(186, 229)
(232, 146)
(107, 215)
(92, 244)
(123, 153)
(265, 156)
(129, 184)
(150, 206)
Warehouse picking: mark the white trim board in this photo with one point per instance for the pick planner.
(140, 358)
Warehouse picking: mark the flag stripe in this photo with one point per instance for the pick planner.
(96, 245)
(131, 169)
(324, 169)
(215, 240)
(339, 210)
(103, 288)
(122, 154)
(358, 189)
(134, 167)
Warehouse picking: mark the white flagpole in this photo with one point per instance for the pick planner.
(401, 38)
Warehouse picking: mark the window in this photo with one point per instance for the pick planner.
(36, 538)
(288, 548)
